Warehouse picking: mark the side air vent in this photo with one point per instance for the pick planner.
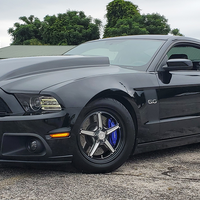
(4, 109)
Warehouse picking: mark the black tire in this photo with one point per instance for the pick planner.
(105, 136)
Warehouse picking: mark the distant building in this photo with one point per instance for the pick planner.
(15, 51)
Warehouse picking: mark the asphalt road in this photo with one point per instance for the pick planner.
(167, 174)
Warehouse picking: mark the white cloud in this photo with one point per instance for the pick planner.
(5, 38)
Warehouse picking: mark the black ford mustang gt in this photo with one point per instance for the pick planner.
(101, 102)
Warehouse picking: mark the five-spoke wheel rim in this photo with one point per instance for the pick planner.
(100, 135)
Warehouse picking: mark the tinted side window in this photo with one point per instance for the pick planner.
(185, 51)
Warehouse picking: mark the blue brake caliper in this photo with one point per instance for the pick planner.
(113, 135)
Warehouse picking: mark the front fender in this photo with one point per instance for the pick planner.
(78, 93)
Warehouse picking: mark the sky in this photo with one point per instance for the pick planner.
(184, 15)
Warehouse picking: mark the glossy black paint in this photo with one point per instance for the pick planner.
(164, 105)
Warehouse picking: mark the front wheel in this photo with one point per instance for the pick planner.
(105, 137)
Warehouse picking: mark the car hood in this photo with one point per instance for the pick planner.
(19, 67)
(37, 73)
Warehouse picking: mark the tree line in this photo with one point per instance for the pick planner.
(74, 27)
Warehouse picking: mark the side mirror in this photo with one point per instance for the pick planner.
(178, 64)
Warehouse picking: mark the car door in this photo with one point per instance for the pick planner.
(179, 94)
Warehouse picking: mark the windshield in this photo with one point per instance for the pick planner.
(135, 53)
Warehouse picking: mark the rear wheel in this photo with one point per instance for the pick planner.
(105, 137)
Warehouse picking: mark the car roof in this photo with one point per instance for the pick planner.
(154, 37)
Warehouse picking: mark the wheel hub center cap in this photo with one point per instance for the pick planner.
(101, 135)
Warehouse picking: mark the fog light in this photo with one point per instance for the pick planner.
(35, 146)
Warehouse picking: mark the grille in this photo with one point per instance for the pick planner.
(4, 109)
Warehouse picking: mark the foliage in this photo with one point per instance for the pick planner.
(176, 31)
(143, 24)
(120, 9)
(156, 24)
(70, 28)
(32, 42)
(123, 18)
(124, 27)
(23, 33)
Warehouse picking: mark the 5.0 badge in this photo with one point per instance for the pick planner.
(152, 101)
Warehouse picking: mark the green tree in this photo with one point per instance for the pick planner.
(70, 28)
(120, 9)
(32, 42)
(129, 26)
(176, 31)
(28, 30)
(156, 24)
(123, 18)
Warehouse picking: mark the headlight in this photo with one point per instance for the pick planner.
(38, 103)
(49, 103)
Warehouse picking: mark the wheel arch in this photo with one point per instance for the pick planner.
(125, 99)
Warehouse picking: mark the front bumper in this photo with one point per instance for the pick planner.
(17, 131)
